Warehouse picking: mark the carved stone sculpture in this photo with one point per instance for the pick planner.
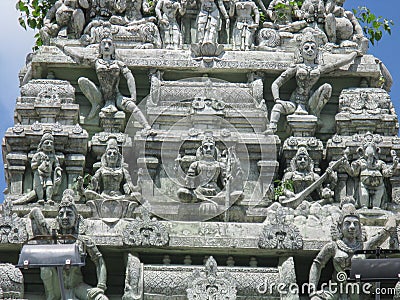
(281, 13)
(307, 73)
(11, 282)
(145, 231)
(112, 180)
(66, 18)
(245, 24)
(301, 175)
(280, 234)
(133, 279)
(370, 171)
(209, 21)
(108, 70)
(347, 237)
(206, 177)
(167, 11)
(211, 285)
(342, 27)
(12, 228)
(68, 221)
(46, 173)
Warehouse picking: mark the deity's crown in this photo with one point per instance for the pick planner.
(348, 210)
(106, 31)
(68, 199)
(302, 151)
(308, 37)
(47, 135)
(208, 138)
(112, 144)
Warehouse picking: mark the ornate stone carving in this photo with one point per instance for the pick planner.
(145, 231)
(212, 171)
(366, 109)
(68, 221)
(370, 172)
(65, 19)
(112, 180)
(210, 284)
(107, 94)
(302, 100)
(302, 177)
(167, 12)
(12, 228)
(280, 233)
(46, 173)
(347, 237)
(245, 24)
(133, 279)
(11, 282)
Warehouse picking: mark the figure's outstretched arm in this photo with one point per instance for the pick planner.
(340, 63)
(383, 234)
(39, 224)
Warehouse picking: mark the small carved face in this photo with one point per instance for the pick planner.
(66, 218)
(309, 51)
(302, 162)
(112, 156)
(351, 227)
(208, 148)
(48, 145)
(107, 47)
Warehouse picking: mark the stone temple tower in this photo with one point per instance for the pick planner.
(207, 149)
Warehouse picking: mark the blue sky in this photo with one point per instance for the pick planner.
(17, 43)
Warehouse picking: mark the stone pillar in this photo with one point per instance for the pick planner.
(74, 164)
(16, 166)
(302, 125)
(341, 187)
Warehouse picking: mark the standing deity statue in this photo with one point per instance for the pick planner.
(341, 25)
(66, 18)
(209, 21)
(302, 177)
(46, 173)
(107, 94)
(348, 237)
(69, 222)
(245, 24)
(112, 180)
(370, 171)
(307, 72)
(166, 11)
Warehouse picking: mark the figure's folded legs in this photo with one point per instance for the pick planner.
(320, 97)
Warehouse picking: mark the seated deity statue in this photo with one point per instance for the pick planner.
(282, 14)
(66, 18)
(301, 175)
(247, 18)
(107, 94)
(69, 222)
(307, 71)
(347, 237)
(46, 173)
(209, 174)
(167, 12)
(112, 180)
(342, 27)
(370, 172)
(209, 21)
(128, 25)
(313, 11)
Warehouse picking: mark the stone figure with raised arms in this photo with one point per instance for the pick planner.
(307, 72)
(370, 171)
(69, 222)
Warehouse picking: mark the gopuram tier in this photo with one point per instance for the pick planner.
(211, 149)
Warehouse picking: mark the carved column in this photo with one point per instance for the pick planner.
(341, 188)
(74, 164)
(16, 166)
